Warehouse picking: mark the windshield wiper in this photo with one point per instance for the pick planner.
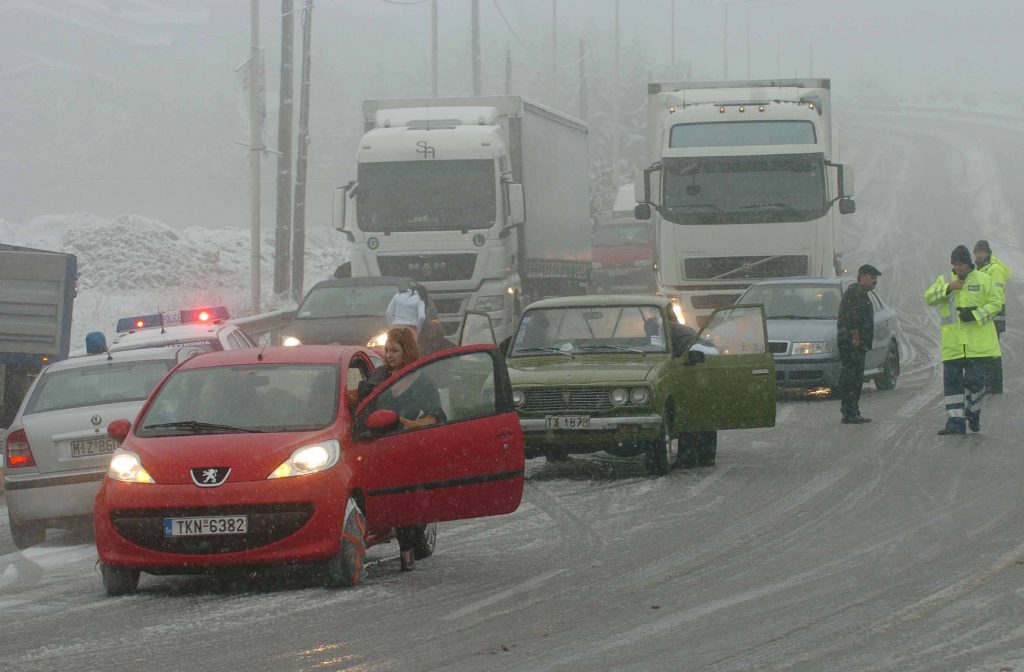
(197, 427)
(618, 347)
(761, 206)
(554, 350)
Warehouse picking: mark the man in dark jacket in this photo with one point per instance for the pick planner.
(855, 328)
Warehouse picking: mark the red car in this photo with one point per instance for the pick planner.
(253, 457)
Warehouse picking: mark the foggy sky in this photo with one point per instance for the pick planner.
(119, 106)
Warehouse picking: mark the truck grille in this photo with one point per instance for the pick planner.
(267, 524)
(448, 306)
(736, 268)
(712, 301)
(429, 267)
(568, 399)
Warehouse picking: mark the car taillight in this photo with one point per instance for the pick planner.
(18, 453)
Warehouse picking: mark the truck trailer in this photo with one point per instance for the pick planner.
(743, 178)
(484, 200)
(37, 292)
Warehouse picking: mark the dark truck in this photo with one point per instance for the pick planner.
(37, 292)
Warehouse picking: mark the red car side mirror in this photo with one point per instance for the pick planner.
(381, 419)
(118, 430)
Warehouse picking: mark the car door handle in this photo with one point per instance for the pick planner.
(759, 372)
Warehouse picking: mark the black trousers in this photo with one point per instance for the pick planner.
(995, 372)
(408, 537)
(851, 379)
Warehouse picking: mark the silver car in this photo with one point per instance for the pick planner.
(57, 450)
(802, 314)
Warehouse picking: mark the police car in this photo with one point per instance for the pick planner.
(202, 327)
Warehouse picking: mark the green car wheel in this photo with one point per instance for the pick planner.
(663, 454)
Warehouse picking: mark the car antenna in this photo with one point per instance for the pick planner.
(259, 355)
(161, 314)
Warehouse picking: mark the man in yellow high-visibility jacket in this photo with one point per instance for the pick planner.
(967, 303)
(1000, 273)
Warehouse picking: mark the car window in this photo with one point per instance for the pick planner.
(800, 301)
(735, 331)
(238, 340)
(102, 384)
(449, 390)
(590, 328)
(281, 397)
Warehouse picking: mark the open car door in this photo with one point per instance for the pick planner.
(727, 378)
(467, 464)
(476, 328)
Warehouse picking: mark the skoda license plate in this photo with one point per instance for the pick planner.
(87, 447)
(567, 421)
(200, 526)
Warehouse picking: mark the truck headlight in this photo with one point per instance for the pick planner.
(812, 347)
(378, 341)
(491, 303)
(309, 460)
(677, 308)
(291, 341)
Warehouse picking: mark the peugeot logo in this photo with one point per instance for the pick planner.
(96, 419)
(210, 477)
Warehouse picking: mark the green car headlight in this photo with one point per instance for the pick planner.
(639, 396)
(618, 396)
(518, 398)
(812, 347)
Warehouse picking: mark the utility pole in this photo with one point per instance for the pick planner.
(810, 61)
(299, 219)
(583, 81)
(725, 40)
(672, 41)
(508, 71)
(255, 147)
(433, 48)
(282, 231)
(553, 99)
(747, 33)
(615, 104)
(476, 48)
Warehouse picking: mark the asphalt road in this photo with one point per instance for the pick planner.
(810, 546)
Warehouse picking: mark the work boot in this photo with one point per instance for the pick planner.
(974, 423)
(953, 427)
(856, 420)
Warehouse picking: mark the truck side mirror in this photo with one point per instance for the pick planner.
(847, 206)
(846, 181)
(642, 211)
(338, 206)
(516, 203)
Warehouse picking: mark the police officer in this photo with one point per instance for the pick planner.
(986, 262)
(967, 303)
(855, 329)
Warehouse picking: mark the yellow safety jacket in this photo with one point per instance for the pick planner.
(1000, 274)
(967, 339)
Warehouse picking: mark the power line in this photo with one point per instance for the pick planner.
(512, 30)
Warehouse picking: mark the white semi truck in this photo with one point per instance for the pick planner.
(744, 180)
(485, 200)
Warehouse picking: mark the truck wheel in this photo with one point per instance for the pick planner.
(119, 580)
(890, 368)
(707, 448)
(663, 453)
(426, 540)
(345, 568)
(25, 535)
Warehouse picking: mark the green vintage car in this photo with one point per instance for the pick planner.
(620, 374)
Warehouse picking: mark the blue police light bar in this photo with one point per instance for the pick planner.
(211, 314)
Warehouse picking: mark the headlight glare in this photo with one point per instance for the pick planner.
(125, 466)
(309, 460)
(290, 341)
(812, 347)
(639, 395)
(378, 341)
(618, 396)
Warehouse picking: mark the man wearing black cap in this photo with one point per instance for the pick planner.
(967, 303)
(1000, 273)
(855, 329)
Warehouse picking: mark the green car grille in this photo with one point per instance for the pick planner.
(567, 399)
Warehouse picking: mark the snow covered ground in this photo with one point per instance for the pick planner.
(135, 265)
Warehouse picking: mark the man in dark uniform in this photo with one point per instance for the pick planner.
(855, 328)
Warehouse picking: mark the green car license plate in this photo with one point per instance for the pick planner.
(567, 421)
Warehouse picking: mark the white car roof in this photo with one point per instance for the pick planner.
(177, 334)
(133, 355)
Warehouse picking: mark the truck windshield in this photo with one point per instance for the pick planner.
(744, 189)
(455, 195)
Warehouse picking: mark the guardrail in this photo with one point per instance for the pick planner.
(265, 328)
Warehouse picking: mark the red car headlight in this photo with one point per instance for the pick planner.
(125, 466)
(309, 460)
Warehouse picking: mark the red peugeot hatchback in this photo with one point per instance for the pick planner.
(253, 457)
